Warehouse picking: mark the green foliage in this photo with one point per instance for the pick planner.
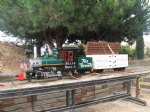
(81, 50)
(128, 50)
(140, 48)
(59, 20)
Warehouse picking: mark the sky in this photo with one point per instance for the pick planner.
(4, 37)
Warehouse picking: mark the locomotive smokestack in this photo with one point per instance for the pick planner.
(35, 51)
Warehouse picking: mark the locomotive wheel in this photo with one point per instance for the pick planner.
(29, 76)
(38, 75)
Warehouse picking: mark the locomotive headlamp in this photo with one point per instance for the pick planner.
(36, 62)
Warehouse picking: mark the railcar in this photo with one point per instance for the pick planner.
(98, 57)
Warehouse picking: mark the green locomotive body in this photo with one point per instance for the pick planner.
(62, 60)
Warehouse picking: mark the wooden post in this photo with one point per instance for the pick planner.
(129, 86)
(137, 87)
(110, 49)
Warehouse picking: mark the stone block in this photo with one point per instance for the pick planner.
(115, 83)
(103, 95)
(18, 106)
(115, 88)
(51, 95)
(1, 105)
(36, 108)
(84, 92)
(85, 99)
(20, 100)
(90, 93)
(49, 101)
(108, 91)
(18, 110)
(98, 86)
(1, 110)
(31, 98)
(55, 105)
(104, 86)
(77, 99)
(28, 109)
(78, 91)
(50, 106)
(8, 102)
(55, 100)
(90, 88)
(97, 91)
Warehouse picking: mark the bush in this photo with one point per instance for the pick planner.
(81, 50)
(127, 50)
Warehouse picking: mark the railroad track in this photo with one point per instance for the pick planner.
(70, 89)
(92, 76)
(67, 86)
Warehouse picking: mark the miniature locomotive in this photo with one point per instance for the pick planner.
(98, 56)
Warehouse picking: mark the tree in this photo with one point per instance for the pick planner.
(61, 20)
(140, 48)
(143, 21)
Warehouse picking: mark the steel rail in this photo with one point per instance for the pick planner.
(96, 101)
(54, 78)
(66, 86)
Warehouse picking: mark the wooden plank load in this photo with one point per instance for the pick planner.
(94, 48)
(106, 55)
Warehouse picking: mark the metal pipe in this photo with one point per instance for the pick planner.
(35, 51)
(129, 86)
(137, 100)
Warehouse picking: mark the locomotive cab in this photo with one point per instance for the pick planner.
(73, 61)
(69, 57)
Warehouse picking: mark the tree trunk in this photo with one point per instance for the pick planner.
(39, 49)
(48, 40)
(140, 47)
(59, 41)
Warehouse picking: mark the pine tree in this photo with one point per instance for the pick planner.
(140, 48)
(60, 20)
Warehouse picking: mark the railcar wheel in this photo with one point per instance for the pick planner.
(123, 68)
(100, 71)
(115, 69)
(119, 69)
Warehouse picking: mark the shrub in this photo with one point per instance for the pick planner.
(127, 50)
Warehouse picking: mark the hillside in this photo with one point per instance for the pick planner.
(10, 57)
